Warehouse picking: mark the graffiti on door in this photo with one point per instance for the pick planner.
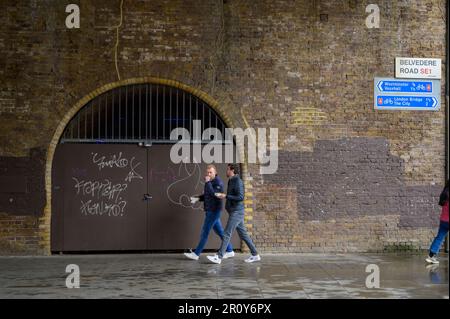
(105, 197)
(189, 178)
(117, 161)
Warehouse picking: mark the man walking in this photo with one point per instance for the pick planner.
(213, 207)
(235, 208)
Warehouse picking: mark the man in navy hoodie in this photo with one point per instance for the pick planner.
(213, 207)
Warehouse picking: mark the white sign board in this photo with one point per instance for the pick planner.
(417, 68)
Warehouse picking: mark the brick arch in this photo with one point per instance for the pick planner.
(45, 221)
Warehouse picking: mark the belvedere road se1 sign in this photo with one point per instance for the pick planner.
(399, 94)
(417, 68)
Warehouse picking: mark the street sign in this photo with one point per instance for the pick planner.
(405, 86)
(407, 101)
(399, 94)
(417, 68)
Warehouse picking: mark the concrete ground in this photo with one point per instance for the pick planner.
(276, 276)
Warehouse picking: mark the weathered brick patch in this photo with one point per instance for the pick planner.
(22, 188)
(355, 177)
(347, 195)
(19, 235)
(277, 228)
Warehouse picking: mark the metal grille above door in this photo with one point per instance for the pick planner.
(139, 113)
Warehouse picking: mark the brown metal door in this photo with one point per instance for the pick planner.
(173, 222)
(125, 197)
(103, 206)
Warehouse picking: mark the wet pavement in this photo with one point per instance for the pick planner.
(295, 276)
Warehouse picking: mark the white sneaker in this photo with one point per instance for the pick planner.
(214, 259)
(228, 255)
(432, 260)
(252, 259)
(191, 255)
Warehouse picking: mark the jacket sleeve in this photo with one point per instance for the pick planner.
(239, 196)
(201, 198)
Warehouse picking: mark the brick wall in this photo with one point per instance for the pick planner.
(22, 184)
(19, 235)
(350, 178)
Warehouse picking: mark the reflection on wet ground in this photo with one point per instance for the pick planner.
(276, 276)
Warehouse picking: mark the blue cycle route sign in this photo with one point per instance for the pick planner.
(396, 94)
(407, 101)
(405, 86)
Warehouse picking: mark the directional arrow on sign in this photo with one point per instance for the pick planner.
(380, 86)
(435, 101)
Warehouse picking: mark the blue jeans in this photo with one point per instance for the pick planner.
(236, 221)
(437, 242)
(212, 220)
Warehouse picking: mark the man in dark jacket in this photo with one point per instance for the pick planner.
(235, 208)
(213, 207)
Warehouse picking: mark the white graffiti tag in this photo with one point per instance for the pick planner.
(101, 208)
(116, 161)
(113, 161)
(99, 189)
(133, 174)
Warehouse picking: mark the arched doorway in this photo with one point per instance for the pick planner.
(115, 187)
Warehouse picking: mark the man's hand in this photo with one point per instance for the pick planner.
(220, 195)
(207, 178)
(194, 199)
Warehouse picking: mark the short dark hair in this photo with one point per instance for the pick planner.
(234, 168)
